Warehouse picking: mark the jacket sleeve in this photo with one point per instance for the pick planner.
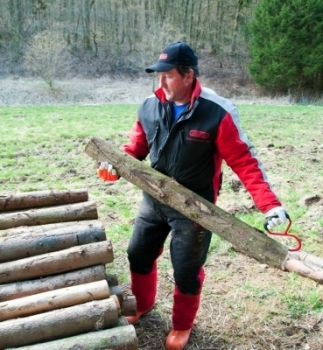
(239, 154)
(137, 146)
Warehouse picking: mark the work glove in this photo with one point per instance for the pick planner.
(107, 172)
(274, 217)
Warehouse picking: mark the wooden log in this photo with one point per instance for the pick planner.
(22, 289)
(128, 305)
(38, 199)
(56, 262)
(122, 321)
(304, 270)
(73, 320)
(243, 237)
(112, 279)
(41, 228)
(127, 302)
(117, 338)
(41, 216)
(307, 259)
(57, 299)
(24, 245)
(117, 291)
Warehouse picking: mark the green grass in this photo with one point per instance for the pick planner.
(46, 144)
(43, 148)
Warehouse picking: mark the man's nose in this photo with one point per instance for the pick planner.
(162, 82)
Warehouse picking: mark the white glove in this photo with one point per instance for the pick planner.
(274, 217)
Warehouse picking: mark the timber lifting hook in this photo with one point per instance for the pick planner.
(286, 234)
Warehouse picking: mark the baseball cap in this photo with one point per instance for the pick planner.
(174, 55)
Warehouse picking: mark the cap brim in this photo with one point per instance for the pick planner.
(160, 67)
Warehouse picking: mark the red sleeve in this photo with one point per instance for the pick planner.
(137, 146)
(239, 154)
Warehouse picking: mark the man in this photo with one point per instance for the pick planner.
(187, 130)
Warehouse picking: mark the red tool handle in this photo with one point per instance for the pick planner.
(285, 234)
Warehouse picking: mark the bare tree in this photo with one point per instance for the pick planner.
(113, 33)
(47, 55)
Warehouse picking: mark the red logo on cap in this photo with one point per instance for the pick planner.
(163, 56)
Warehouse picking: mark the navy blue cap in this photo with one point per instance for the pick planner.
(174, 55)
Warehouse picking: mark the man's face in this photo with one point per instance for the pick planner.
(177, 88)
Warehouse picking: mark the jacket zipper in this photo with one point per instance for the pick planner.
(181, 137)
(156, 133)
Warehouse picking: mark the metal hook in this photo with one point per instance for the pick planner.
(285, 234)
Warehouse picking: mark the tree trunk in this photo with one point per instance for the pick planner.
(117, 338)
(51, 300)
(244, 238)
(128, 305)
(77, 319)
(251, 242)
(127, 302)
(235, 27)
(30, 244)
(21, 289)
(112, 280)
(29, 200)
(57, 262)
(63, 213)
(43, 228)
(24, 245)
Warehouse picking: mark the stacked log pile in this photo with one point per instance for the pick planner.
(55, 293)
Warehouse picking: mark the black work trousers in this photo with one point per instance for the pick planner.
(189, 243)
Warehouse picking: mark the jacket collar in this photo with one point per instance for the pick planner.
(195, 94)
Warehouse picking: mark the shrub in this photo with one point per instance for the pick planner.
(47, 56)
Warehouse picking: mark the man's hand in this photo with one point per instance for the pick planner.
(275, 217)
(107, 172)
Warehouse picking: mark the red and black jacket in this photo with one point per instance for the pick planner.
(192, 149)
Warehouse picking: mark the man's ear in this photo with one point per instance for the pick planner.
(189, 76)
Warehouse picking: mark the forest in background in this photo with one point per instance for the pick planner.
(98, 37)
(272, 44)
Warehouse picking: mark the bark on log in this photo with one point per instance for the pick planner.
(20, 246)
(38, 199)
(117, 338)
(22, 289)
(94, 315)
(41, 228)
(57, 262)
(117, 291)
(127, 302)
(112, 280)
(57, 299)
(122, 321)
(308, 259)
(41, 216)
(244, 238)
(128, 305)
(304, 270)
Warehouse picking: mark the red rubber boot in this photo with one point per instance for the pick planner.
(144, 288)
(184, 311)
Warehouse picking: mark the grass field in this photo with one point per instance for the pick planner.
(246, 305)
